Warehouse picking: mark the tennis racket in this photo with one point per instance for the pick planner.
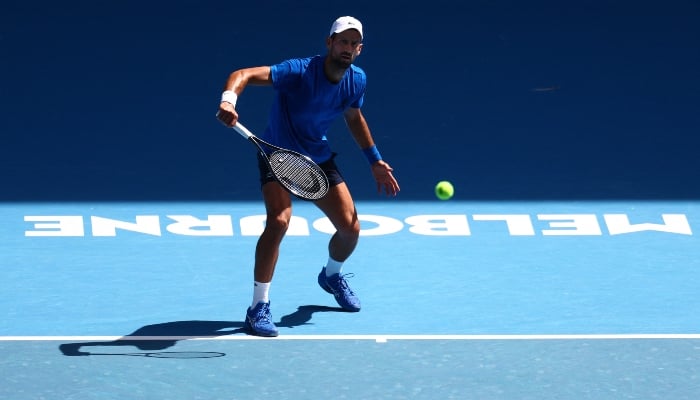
(297, 173)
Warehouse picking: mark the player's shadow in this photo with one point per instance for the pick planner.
(159, 337)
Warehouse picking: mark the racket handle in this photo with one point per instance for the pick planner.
(243, 130)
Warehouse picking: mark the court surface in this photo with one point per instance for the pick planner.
(483, 300)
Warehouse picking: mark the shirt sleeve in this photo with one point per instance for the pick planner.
(360, 83)
(359, 101)
(285, 74)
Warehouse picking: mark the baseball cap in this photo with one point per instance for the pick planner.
(342, 24)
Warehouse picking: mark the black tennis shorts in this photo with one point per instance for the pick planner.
(329, 167)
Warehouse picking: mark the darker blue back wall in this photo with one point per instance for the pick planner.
(508, 99)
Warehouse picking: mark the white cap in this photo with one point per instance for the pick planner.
(342, 24)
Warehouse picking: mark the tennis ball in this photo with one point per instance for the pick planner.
(444, 190)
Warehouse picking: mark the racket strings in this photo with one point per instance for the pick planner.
(298, 174)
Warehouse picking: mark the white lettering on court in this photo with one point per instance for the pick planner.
(571, 224)
(188, 225)
(439, 225)
(146, 224)
(371, 225)
(517, 224)
(673, 223)
(55, 225)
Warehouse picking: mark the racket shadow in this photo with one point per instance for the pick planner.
(158, 337)
(153, 339)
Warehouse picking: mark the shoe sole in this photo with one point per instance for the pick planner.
(251, 331)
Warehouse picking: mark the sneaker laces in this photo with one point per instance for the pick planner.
(264, 313)
(343, 284)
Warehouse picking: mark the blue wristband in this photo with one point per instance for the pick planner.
(372, 154)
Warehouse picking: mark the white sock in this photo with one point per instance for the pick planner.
(333, 267)
(261, 293)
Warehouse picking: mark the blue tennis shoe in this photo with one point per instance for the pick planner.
(258, 321)
(337, 285)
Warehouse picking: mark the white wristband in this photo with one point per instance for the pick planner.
(229, 96)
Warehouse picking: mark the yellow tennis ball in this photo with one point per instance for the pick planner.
(444, 190)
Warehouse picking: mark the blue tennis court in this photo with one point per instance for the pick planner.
(497, 300)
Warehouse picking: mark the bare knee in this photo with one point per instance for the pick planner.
(277, 225)
(349, 229)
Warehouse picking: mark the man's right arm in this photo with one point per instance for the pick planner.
(235, 85)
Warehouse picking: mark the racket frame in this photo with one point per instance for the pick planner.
(246, 133)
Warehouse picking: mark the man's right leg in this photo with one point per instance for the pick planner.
(278, 206)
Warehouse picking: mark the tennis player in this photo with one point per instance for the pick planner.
(310, 93)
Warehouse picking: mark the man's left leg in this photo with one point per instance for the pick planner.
(340, 210)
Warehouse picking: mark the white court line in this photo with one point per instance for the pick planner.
(375, 337)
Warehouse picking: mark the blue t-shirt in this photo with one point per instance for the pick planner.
(306, 103)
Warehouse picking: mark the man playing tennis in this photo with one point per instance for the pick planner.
(310, 93)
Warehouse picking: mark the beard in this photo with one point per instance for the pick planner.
(341, 62)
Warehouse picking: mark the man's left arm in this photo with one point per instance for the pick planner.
(381, 170)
